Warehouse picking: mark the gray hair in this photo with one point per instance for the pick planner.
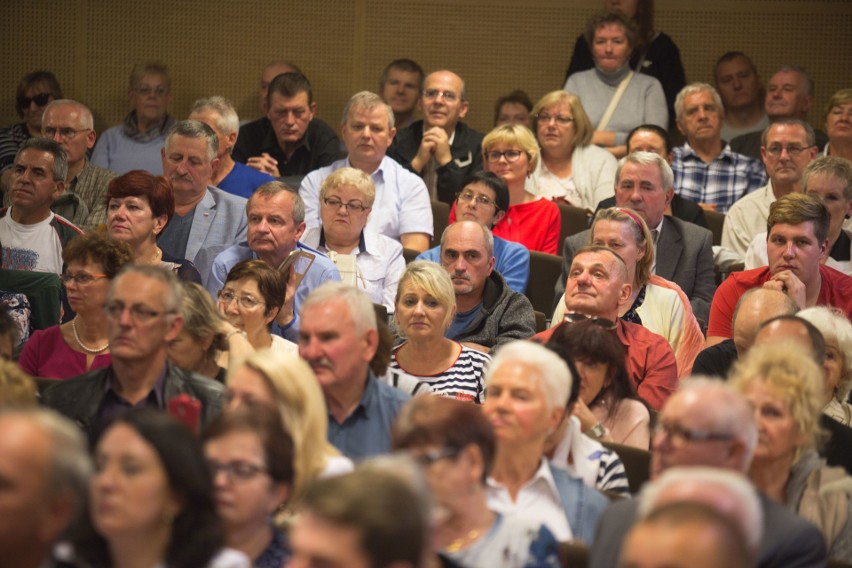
(552, 372)
(60, 158)
(832, 324)
(353, 177)
(174, 291)
(367, 101)
(487, 236)
(648, 159)
(809, 130)
(360, 307)
(272, 188)
(228, 121)
(692, 89)
(834, 166)
(194, 129)
(790, 68)
(85, 114)
(140, 70)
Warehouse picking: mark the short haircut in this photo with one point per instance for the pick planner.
(798, 208)
(602, 19)
(272, 188)
(270, 282)
(85, 114)
(463, 93)
(659, 131)
(730, 56)
(140, 70)
(790, 68)
(367, 100)
(228, 121)
(349, 177)
(620, 265)
(810, 137)
(833, 166)
(833, 325)
(174, 292)
(194, 129)
(493, 182)
(288, 85)
(17, 389)
(360, 307)
(435, 281)
(43, 78)
(817, 348)
(583, 128)
(517, 97)
(407, 65)
(96, 247)
(692, 89)
(201, 318)
(547, 367)
(156, 190)
(641, 236)
(487, 237)
(60, 158)
(513, 135)
(648, 159)
(841, 97)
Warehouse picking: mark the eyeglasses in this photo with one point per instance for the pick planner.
(793, 150)
(510, 155)
(65, 133)
(574, 317)
(81, 278)
(681, 436)
(138, 312)
(236, 470)
(245, 301)
(351, 206)
(40, 100)
(468, 196)
(428, 458)
(145, 90)
(560, 120)
(448, 96)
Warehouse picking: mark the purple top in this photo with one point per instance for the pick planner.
(47, 355)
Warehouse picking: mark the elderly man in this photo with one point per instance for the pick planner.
(741, 89)
(206, 218)
(683, 251)
(596, 288)
(45, 475)
(338, 338)
(31, 235)
(402, 208)
(288, 142)
(441, 149)
(707, 423)
(135, 144)
(143, 316)
(787, 147)
(400, 87)
(219, 114)
(488, 312)
(485, 199)
(706, 170)
(276, 222)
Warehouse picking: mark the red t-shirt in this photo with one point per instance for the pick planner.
(536, 225)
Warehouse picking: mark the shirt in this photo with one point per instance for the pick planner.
(512, 261)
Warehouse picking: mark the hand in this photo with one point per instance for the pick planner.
(582, 412)
(264, 163)
(437, 137)
(286, 314)
(424, 154)
(786, 281)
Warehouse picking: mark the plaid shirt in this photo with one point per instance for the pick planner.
(721, 182)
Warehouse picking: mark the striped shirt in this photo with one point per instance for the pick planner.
(462, 380)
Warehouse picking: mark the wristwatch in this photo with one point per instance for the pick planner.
(597, 431)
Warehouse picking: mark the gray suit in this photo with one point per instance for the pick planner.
(684, 256)
(218, 223)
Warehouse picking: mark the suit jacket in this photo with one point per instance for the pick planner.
(684, 256)
(789, 541)
(218, 223)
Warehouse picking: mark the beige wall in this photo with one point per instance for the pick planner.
(218, 47)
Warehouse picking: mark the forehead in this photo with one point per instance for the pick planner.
(465, 237)
(689, 408)
(609, 30)
(279, 101)
(735, 65)
(786, 132)
(780, 330)
(37, 89)
(699, 98)
(603, 259)
(133, 287)
(608, 227)
(516, 373)
(207, 115)
(279, 204)
(190, 146)
(153, 79)
(35, 158)
(646, 138)
(825, 183)
(642, 173)
(480, 188)
(787, 78)
(23, 443)
(805, 229)
(347, 190)
(374, 115)
(444, 80)
(403, 75)
(62, 114)
(333, 314)
(248, 285)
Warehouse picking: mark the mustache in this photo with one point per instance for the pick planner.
(184, 177)
(461, 275)
(322, 362)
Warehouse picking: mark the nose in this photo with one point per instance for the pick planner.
(309, 349)
(790, 251)
(419, 308)
(459, 266)
(583, 278)
(56, 137)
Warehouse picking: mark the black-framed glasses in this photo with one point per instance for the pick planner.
(428, 458)
(146, 90)
(560, 120)
(81, 278)
(574, 317)
(351, 206)
(681, 436)
(138, 312)
(511, 155)
(40, 100)
(244, 301)
(468, 196)
(65, 133)
(236, 470)
(793, 150)
(448, 96)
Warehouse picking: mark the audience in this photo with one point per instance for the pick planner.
(33, 93)
(837, 333)
(742, 92)
(269, 73)
(514, 108)
(838, 125)
(400, 87)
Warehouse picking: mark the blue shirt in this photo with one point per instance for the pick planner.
(244, 180)
(367, 431)
(461, 322)
(512, 262)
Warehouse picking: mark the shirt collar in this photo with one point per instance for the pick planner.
(543, 475)
(157, 390)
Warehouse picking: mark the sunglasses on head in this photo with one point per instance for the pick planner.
(40, 100)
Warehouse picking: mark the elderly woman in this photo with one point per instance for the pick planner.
(80, 345)
(571, 168)
(785, 388)
(139, 206)
(425, 306)
(455, 445)
(655, 303)
(528, 389)
(34, 92)
(365, 258)
(838, 117)
(837, 333)
(616, 98)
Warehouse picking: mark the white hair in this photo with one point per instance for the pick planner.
(552, 372)
(832, 324)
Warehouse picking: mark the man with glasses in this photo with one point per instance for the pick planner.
(485, 199)
(135, 144)
(440, 148)
(707, 423)
(143, 316)
(401, 209)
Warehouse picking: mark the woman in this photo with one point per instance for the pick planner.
(80, 345)
(250, 456)
(425, 306)
(785, 387)
(151, 499)
(139, 206)
(454, 443)
(655, 303)
(251, 299)
(34, 92)
(837, 333)
(287, 384)
(838, 112)
(571, 168)
(616, 98)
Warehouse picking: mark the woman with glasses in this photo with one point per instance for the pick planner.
(34, 92)
(139, 206)
(79, 345)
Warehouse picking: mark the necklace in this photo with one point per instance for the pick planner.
(158, 254)
(457, 544)
(81, 344)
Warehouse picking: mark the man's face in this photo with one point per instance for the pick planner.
(290, 117)
(641, 189)
(469, 206)
(402, 90)
(330, 343)
(442, 103)
(787, 153)
(272, 234)
(269, 73)
(737, 83)
(32, 186)
(187, 164)
(319, 543)
(702, 119)
(787, 96)
(64, 124)
(367, 135)
(795, 248)
(595, 285)
(211, 118)
(647, 141)
(464, 257)
(150, 98)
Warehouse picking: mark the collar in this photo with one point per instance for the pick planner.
(131, 129)
(613, 78)
(156, 390)
(726, 154)
(378, 175)
(542, 476)
(362, 242)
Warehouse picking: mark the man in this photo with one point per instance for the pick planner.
(597, 287)
(45, 473)
(206, 218)
(706, 170)
(31, 235)
(400, 87)
(485, 199)
(288, 142)
(707, 423)
(741, 89)
(143, 316)
(401, 210)
(796, 243)
(364, 519)
(269, 73)
(683, 252)
(488, 312)
(787, 146)
(441, 149)
(338, 338)
(136, 143)
(276, 222)
(218, 113)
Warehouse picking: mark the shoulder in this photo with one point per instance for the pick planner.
(389, 396)
(592, 152)
(690, 231)
(320, 258)
(83, 384)
(642, 335)
(320, 129)
(587, 494)
(194, 382)
(233, 254)
(470, 136)
(472, 356)
(254, 127)
(228, 199)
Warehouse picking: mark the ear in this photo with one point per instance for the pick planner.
(91, 137)
(58, 190)
(174, 328)
(491, 262)
(555, 419)
(473, 455)
(371, 343)
(391, 134)
(271, 315)
(669, 196)
(214, 168)
(278, 494)
(160, 223)
(823, 250)
(299, 230)
(313, 107)
(763, 154)
(498, 217)
(463, 109)
(624, 295)
(680, 128)
(59, 514)
(232, 139)
(809, 99)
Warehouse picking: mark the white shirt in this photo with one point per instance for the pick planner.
(35, 247)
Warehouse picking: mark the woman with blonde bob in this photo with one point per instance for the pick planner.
(785, 387)
(837, 333)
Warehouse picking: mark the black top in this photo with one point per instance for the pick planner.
(716, 361)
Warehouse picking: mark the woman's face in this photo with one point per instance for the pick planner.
(451, 474)
(556, 128)
(618, 236)
(247, 311)
(778, 433)
(419, 314)
(131, 220)
(247, 388)
(89, 297)
(834, 365)
(130, 492)
(594, 376)
(187, 353)
(513, 173)
(829, 189)
(340, 224)
(610, 48)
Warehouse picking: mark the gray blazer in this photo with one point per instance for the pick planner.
(218, 223)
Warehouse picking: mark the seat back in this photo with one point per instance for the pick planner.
(574, 220)
(637, 464)
(715, 222)
(440, 220)
(545, 270)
